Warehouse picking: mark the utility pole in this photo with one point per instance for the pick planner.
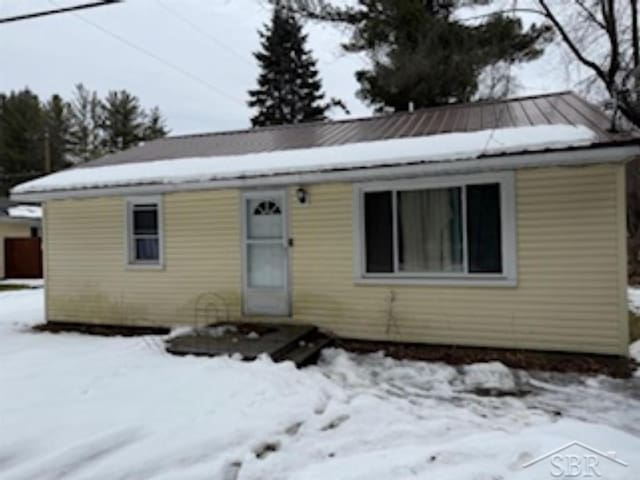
(47, 152)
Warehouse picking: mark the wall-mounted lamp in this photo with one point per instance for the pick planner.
(302, 195)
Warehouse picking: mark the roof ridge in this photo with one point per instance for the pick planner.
(368, 118)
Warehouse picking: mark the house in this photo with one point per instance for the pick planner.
(20, 250)
(498, 224)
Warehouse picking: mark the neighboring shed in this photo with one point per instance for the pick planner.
(20, 244)
(497, 224)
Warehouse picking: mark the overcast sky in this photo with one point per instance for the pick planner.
(208, 41)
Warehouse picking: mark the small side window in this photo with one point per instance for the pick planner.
(144, 235)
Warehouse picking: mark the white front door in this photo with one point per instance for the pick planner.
(265, 243)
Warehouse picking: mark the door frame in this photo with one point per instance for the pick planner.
(246, 195)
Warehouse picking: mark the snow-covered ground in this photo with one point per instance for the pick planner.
(84, 407)
(23, 282)
(633, 298)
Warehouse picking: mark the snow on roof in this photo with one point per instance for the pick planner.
(25, 211)
(399, 151)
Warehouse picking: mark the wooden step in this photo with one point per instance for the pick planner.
(306, 350)
(274, 340)
(295, 335)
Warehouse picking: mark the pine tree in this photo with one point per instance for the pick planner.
(73, 132)
(21, 133)
(156, 125)
(57, 129)
(421, 53)
(21, 138)
(123, 121)
(289, 88)
(85, 135)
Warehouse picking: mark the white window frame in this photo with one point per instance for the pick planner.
(508, 277)
(130, 259)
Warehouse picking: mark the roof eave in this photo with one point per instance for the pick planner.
(571, 156)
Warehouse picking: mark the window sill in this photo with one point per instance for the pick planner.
(439, 281)
(144, 266)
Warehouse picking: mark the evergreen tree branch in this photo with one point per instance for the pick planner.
(503, 12)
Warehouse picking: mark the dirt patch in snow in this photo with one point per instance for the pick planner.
(617, 367)
(265, 449)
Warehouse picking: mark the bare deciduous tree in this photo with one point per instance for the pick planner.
(603, 37)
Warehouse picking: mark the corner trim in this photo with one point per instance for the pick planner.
(621, 214)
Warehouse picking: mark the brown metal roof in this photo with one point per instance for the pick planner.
(555, 108)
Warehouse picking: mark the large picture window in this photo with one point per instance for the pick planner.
(447, 228)
(144, 231)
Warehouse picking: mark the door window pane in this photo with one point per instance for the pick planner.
(378, 232)
(265, 219)
(483, 228)
(430, 230)
(266, 264)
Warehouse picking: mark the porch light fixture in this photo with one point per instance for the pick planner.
(301, 195)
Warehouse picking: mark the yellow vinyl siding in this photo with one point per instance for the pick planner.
(11, 230)
(570, 253)
(89, 281)
(569, 274)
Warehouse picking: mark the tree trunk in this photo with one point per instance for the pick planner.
(635, 37)
(633, 221)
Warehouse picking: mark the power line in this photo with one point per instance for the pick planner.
(157, 58)
(45, 13)
(203, 32)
